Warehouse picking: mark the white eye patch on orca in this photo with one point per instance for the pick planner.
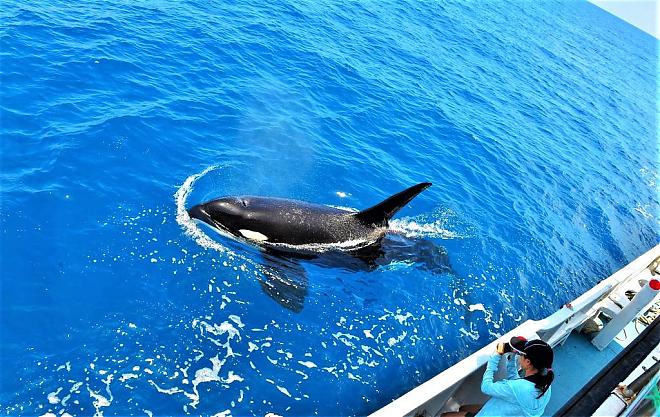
(252, 235)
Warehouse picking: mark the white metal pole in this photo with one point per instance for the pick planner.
(643, 297)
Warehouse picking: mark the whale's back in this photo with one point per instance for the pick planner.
(293, 222)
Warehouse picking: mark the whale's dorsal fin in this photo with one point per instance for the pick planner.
(383, 211)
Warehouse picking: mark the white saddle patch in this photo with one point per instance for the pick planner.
(249, 234)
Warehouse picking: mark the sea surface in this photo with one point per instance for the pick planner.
(536, 122)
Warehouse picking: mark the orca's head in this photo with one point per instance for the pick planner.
(229, 214)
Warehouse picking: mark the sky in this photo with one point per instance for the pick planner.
(644, 14)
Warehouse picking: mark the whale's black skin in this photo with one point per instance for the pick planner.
(281, 223)
(290, 230)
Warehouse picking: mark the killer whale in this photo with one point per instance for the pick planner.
(288, 231)
(284, 225)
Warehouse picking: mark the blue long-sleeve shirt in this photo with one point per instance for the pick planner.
(513, 396)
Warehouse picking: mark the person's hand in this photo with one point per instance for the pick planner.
(500, 348)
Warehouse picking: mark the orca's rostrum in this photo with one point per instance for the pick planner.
(276, 223)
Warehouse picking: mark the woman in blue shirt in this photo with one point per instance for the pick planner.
(526, 394)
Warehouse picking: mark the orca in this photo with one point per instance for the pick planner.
(296, 226)
(287, 231)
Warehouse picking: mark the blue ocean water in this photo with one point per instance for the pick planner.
(537, 123)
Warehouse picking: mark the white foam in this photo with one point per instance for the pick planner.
(66, 366)
(420, 227)
(52, 397)
(393, 341)
(226, 413)
(205, 375)
(472, 334)
(219, 329)
(402, 318)
(345, 338)
(237, 320)
(231, 377)
(308, 364)
(126, 377)
(351, 376)
(183, 219)
(349, 209)
(168, 391)
(283, 390)
(99, 402)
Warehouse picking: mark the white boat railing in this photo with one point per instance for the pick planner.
(462, 381)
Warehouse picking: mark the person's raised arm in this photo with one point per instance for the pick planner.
(500, 389)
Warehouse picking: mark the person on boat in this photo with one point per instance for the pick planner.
(524, 394)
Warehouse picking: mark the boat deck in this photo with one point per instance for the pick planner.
(576, 362)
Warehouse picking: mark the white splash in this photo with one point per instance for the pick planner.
(168, 391)
(52, 397)
(471, 334)
(308, 364)
(226, 413)
(189, 226)
(345, 208)
(402, 318)
(393, 341)
(126, 377)
(283, 390)
(237, 320)
(66, 366)
(414, 228)
(99, 401)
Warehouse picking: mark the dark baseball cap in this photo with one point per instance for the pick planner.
(537, 351)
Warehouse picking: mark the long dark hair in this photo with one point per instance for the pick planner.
(542, 379)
